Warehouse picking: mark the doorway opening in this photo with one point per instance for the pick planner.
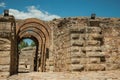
(28, 55)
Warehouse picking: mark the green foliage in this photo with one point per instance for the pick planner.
(33, 44)
(23, 44)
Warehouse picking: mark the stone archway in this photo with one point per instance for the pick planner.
(38, 31)
(29, 59)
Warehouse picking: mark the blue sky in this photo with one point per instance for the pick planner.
(66, 8)
(50, 9)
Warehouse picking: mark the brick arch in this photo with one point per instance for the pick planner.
(34, 64)
(35, 29)
(26, 33)
(38, 24)
(31, 35)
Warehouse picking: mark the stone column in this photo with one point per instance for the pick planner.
(13, 54)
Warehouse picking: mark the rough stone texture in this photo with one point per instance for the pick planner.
(93, 44)
(4, 55)
(61, 41)
(70, 44)
(26, 59)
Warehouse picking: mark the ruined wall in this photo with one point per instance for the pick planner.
(5, 48)
(4, 55)
(26, 59)
(91, 44)
(86, 50)
(111, 33)
(61, 40)
(76, 44)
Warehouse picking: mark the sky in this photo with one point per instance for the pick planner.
(50, 9)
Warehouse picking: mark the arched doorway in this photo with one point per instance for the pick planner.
(39, 32)
(29, 59)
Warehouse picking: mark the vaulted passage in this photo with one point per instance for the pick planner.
(29, 60)
(39, 32)
(33, 29)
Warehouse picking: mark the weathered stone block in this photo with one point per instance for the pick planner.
(75, 60)
(77, 67)
(49, 63)
(84, 60)
(78, 30)
(77, 54)
(94, 23)
(75, 36)
(77, 43)
(29, 52)
(4, 60)
(92, 43)
(75, 49)
(51, 68)
(82, 36)
(4, 75)
(5, 48)
(111, 66)
(95, 67)
(92, 48)
(4, 53)
(114, 59)
(94, 60)
(25, 57)
(95, 54)
(24, 66)
(4, 68)
(93, 30)
(21, 62)
(95, 36)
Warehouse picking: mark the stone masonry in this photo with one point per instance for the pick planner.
(4, 55)
(26, 59)
(65, 45)
(84, 44)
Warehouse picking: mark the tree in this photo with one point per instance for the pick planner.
(23, 44)
(32, 44)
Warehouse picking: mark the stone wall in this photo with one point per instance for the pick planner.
(111, 32)
(61, 40)
(26, 59)
(4, 55)
(84, 44)
(76, 44)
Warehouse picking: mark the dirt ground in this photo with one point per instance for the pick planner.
(91, 75)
